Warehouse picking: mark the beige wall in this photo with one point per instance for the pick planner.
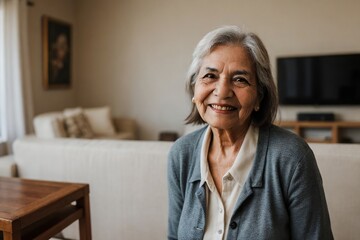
(133, 54)
(48, 100)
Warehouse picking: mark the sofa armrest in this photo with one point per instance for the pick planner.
(8, 166)
(127, 125)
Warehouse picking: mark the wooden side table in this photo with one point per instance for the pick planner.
(32, 209)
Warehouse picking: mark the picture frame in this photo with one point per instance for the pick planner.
(57, 52)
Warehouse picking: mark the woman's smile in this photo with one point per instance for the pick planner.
(222, 108)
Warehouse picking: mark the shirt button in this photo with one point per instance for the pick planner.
(233, 225)
(220, 210)
(219, 231)
(229, 178)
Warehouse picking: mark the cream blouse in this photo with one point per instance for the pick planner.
(219, 207)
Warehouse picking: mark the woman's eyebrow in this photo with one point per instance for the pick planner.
(241, 72)
(237, 72)
(211, 69)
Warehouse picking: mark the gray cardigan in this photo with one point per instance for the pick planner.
(283, 197)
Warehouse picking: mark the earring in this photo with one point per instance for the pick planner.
(193, 100)
(257, 108)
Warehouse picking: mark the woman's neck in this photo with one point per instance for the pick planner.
(224, 147)
(228, 141)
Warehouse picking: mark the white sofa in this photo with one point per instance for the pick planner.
(128, 187)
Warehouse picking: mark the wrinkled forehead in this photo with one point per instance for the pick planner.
(233, 56)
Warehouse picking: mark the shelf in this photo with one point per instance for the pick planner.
(334, 128)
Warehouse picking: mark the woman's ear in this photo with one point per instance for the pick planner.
(258, 100)
(257, 104)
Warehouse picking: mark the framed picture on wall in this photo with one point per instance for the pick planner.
(56, 47)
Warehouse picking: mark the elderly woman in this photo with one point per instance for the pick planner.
(240, 177)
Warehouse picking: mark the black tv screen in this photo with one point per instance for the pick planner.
(319, 80)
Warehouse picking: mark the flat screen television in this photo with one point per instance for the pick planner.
(319, 80)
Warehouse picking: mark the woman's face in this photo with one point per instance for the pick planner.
(225, 90)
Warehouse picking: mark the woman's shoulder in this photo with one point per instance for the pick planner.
(284, 140)
(189, 141)
(185, 152)
(282, 135)
(285, 152)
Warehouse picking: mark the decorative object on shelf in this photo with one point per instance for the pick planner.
(168, 136)
(333, 127)
(328, 117)
(56, 37)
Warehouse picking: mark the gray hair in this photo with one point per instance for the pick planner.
(233, 35)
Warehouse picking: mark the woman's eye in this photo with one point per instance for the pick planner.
(241, 81)
(209, 75)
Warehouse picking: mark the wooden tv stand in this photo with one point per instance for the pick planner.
(334, 127)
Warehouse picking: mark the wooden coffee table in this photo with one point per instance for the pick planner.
(32, 209)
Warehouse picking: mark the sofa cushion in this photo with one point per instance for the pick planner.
(100, 120)
(49, 125)
(339, 165)
(77, 124)
(68, 112)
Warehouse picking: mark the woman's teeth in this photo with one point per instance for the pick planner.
(223, 108)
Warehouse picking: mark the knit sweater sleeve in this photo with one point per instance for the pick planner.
(309, 216)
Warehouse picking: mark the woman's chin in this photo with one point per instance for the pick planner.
(228, 125)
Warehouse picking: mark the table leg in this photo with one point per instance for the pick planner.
(85, 220)
(12, 236)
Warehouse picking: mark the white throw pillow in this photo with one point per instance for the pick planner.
(70, 112)
(49, 125)
(100, 120)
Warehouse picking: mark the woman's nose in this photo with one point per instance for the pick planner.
(223, 89)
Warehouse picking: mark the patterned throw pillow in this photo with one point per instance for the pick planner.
(71, 127)
(77, 126)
